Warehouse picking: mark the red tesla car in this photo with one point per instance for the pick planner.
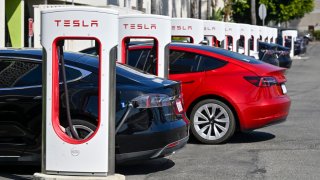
(222, 91)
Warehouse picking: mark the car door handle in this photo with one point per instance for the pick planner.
(188, 82)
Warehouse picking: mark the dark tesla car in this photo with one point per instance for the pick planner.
(271, 51)
(147, 133)
(300, 45)
(267, 53)
(284, 56)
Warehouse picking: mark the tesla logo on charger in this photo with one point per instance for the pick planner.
(76, 23)
(140, 26)
(181, 28)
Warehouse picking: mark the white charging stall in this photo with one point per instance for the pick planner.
(255, 36)
(245, 31)
(189, 28)
(232, 30)
(146, 26)
(63, 154)
(214, 31)
(274, 35)
(268, 32)
(290, 34)
(263, 30)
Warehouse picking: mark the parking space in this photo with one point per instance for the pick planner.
(290, 150)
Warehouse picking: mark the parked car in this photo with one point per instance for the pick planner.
(284, 56)
(271, 51)
(308, 37)
(300, 46)
(223, 91)
(267, 53)
(148, 132)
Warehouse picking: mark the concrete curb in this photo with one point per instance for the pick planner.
(40, 176)
(300, 57)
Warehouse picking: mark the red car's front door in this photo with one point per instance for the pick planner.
(184, 67)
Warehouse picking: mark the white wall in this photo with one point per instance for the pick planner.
(2, 23)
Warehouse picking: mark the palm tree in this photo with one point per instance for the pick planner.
(253, 12)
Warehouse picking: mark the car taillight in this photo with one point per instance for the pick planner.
(151, 101)
(261, 81)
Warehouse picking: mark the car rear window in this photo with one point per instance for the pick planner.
(241, 57)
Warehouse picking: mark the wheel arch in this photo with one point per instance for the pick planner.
(217, 97)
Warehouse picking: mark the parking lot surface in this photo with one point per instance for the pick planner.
(290, 150)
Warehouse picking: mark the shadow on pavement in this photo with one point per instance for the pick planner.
(242, 137)
(251, 137)
(147, 167)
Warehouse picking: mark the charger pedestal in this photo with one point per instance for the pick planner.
(65, 156)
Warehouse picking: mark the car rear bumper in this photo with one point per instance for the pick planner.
(168, 142)
(264, 113)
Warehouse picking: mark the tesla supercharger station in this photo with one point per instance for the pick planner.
(290, 34)
(214, 31)
(245, 31)
(233, 30)
(62, 154)
(255, 35)
(146, 26)
(189, 28)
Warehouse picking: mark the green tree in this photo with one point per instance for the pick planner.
(286, 10)
(277, 10)
(241, 11)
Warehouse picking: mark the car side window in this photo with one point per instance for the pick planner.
(71, 74)
(211, 63)
(142, 59)
(20, 73)
(16, 73)
(183, 62)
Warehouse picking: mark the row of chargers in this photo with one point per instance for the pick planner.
(62, 154)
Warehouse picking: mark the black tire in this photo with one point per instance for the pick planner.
(83, 127)
(215, 122)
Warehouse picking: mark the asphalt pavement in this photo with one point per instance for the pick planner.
(290, 150)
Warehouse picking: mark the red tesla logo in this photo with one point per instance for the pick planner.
(140, 26)
(181, 28)
(76, 23)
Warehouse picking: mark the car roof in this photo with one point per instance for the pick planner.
(216, 50)
(72, 57)
(268, 44)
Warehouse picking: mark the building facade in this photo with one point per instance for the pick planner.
(309, 20)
